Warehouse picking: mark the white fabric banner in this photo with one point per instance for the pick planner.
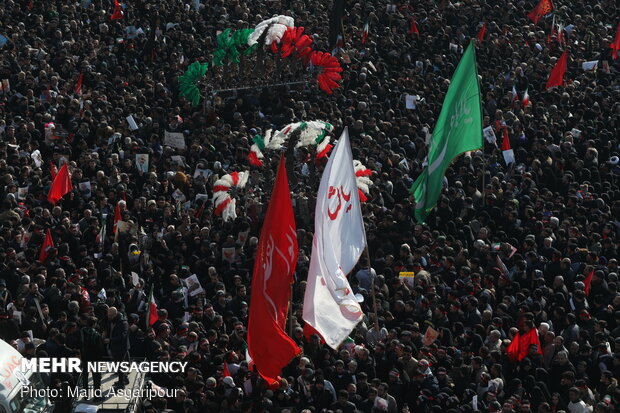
(339, 240)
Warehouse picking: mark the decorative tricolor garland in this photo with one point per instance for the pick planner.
(276, 26)
(329, 71)
(362, 180)
(187, 83)
(225, 205)
(311, 133)
(282, 37)
(228, 44)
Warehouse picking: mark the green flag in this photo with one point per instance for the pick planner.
(458, 130)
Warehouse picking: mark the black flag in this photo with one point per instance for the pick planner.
(335, 23)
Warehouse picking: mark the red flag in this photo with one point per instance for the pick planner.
(513, 349)
(60, 186)
(30, 5)
(556, 78)
(118, 13)
(615, 46)
(588, 281)
(413, 28)
(47, 244)
(365, 33)
(519, 347)
(276, 256)
(117, 216)
(53, 170)
(526, 340)
(78, 85)
(543, 7)
(480, 35)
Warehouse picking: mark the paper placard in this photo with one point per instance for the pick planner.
(135, 279)
(592, 65)
(202, 173)
(430, 336)
(37, 158)
(242, 237)
(174, 139)
(22, 193)
(489, 135)
(85, 188)
(411, 101)
(142, 162)
(178, 195)
(193, 284)
(229, 254)
(177, 160)
(407, 277)
(132, 123)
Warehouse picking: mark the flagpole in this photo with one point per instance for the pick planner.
(290, 313)
(372, 288)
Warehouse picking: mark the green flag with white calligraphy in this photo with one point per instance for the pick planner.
(458, 130)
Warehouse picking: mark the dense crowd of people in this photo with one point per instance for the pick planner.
(532, 245)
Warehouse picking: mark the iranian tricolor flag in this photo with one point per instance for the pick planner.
(330, 306)
(151, 312)
(100, 239)
(117, 216)
(365, 33)
(515, 95)
(526, 99)
(509, 155)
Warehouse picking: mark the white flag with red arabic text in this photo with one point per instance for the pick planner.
(339, 239)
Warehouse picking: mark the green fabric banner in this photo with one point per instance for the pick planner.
(458, 130)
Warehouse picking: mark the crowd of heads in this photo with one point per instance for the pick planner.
(509, 248)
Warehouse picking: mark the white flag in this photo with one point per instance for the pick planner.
(339, 239)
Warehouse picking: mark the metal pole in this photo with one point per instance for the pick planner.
(372, 288)
(290, 314)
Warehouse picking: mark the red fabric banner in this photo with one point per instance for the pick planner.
(276, 256)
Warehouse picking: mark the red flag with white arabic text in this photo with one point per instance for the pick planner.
(276, 256)
(543, 7)
(47, 244)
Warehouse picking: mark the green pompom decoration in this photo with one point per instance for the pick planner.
(187, 82)
(229, 44)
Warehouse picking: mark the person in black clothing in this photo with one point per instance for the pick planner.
(92, 349)
(118, 341)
